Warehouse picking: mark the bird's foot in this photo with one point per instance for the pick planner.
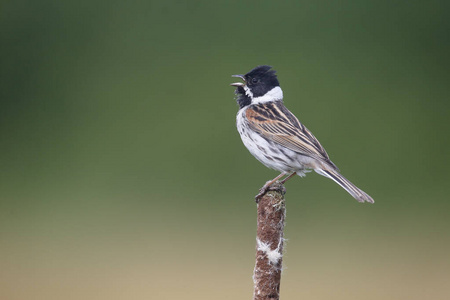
(267, 187)
(262, 192)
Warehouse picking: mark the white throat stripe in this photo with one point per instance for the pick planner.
(248, 92)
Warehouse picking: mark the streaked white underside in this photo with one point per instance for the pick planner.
(255, 143)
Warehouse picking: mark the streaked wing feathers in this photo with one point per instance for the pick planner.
(276, 123)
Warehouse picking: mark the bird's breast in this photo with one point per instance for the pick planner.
(269, 153)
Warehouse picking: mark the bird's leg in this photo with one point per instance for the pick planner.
(264, 189)
(287, 178)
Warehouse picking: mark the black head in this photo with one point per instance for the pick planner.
(257, 83)
(260, 80)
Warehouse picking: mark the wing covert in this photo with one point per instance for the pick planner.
(275, 122)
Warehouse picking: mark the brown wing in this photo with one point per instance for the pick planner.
(275, 122)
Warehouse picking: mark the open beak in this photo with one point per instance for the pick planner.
(238, 83)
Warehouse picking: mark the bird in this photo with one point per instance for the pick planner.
(275, 136)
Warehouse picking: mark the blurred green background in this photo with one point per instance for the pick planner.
(122, 175)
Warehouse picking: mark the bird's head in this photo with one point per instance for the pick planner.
(260, 85)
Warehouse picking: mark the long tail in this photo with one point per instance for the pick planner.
(358, 194)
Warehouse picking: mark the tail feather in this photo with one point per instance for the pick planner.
(358, 194)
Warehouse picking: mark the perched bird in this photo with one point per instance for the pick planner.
(276, 138)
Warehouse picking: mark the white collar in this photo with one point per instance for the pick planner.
(273, 95)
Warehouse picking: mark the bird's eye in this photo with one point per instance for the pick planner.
(255, 80)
